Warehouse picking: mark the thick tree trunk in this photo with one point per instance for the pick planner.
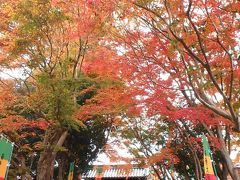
(232, 171)
(224, 152)
(54, 138)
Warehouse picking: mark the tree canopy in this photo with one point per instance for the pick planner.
(155, 75)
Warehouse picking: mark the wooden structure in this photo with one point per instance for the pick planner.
(116, 172)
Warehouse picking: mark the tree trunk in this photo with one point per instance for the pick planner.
(232, 171)
(53, 138)
(224, 152)
(221, 169)
(225, 171)
(60, 170)
(197, 173)
(156, 172)
(186, 176)
(197, 164)
(25, 175)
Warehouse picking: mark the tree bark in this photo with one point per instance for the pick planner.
(186, 176)
(54, 138)
(60, 169)
(197, 164)
(62, 162)
(197, 173)
(224, 171)
(156, 172)
(224, 152)
(25, 175)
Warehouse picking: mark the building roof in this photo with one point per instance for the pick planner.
(118, 173)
